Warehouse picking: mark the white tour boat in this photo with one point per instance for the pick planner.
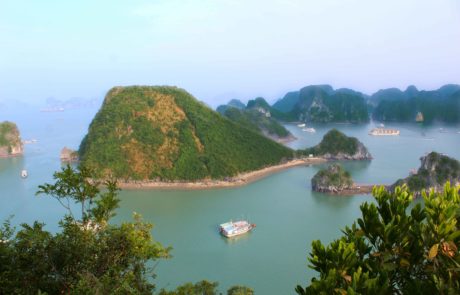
(235, 228)
(311, 130)
(384, 132)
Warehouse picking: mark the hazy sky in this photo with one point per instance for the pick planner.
(222, 49)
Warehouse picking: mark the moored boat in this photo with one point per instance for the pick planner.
(301, 125)
(235, 228)
(383, 132)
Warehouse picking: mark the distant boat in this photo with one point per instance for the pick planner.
(24, 174)
(300, 125)
(381, 125)
(235, 228)
(311, 130)
(383, 132)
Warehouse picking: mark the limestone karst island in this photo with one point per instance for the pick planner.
(10, 140)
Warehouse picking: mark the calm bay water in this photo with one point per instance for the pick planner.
(272, 258)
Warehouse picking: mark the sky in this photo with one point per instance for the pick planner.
(223, 49)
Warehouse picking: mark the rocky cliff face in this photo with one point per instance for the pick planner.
(334, 179)
(435, 170)
(361, 153)
(10, 140)
(68, 155)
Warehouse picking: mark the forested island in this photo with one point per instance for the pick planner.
(162, 137)
(323, 104)
(435, 170)
(442, 105)
(165, 134)
(10, 140)
(335, 145)
(257, 116)
(333, 179)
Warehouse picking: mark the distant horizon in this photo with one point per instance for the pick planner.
(43, 102)
(219, 50)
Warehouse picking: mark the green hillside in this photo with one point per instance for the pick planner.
(163, 133)
(257, 116)
(323, 104)
(441, 105)
(338, 146)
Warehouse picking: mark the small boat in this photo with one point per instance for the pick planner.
(235, 228)
(381, 125)
(384, 132)
(24, 174)
(311, 130)
(301, 125)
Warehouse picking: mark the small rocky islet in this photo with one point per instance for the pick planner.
(333, 179)
(435, 170)
(10, 140)
(335, 145)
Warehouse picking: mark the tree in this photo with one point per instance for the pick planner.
(89, 255)
(240, 290)
(396, 247)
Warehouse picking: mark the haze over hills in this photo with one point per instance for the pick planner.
(257, 115)
(441, 105)
(323, 104)
(163, 133)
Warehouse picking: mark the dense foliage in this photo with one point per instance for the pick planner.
(260, 102)
(164, 133)
(206, 288)
(88, 255)
(255, 120)
(334, 142)
(320, 103)
(334, 177)
(234, 103)
(439, 105)
(396, 247)
(435, 170)
(257, 116)
(9, 134)
(287, 103)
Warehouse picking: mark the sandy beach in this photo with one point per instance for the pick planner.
(239, 180)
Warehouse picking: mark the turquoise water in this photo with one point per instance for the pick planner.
(272, 258)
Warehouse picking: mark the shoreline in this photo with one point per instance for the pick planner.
(358, 189)
(236, 181)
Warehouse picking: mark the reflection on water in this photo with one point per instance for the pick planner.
(237, 239)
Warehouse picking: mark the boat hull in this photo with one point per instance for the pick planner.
(233, 229)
